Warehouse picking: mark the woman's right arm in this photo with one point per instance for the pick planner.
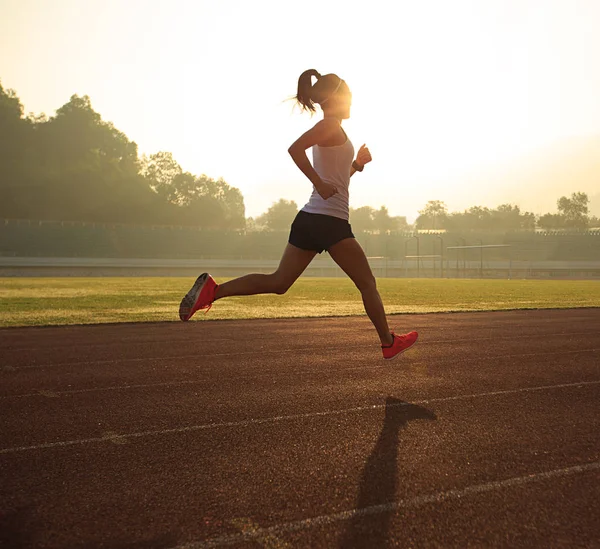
(319, 133)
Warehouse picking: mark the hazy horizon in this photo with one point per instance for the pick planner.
(442, 92)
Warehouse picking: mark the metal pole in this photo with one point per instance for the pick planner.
(481, 264)
(457, 243)
(386, 254)
(441, 256)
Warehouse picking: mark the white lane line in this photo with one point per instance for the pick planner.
(372, 369)
(291, 417)
(125, 341)
(113, 437)
(437, 497)
(49, 394)
(268, 541)
(179, 357)
(45, 393)
(262, 352)
(377, 368)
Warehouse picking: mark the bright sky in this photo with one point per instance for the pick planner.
(440, 87)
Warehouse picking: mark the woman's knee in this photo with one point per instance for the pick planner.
(280, 284)
(366, 284)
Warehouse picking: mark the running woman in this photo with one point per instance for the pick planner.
(322, 224)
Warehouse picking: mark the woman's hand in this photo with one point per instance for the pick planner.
(326, 190)
(364, 156)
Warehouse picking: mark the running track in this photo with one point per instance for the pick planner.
(294, 433)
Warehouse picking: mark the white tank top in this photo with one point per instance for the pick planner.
(333, 164)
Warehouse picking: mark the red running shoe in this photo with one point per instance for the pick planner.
(401, 343)
(201, 296)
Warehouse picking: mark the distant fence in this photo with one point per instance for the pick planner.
(321, 266)
(110, 248)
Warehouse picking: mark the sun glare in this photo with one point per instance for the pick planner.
(440, 89)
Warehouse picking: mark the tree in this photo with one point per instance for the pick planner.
(435, 208)
(368, 220)
(551, 221)
(75, 166)
(85, 168)
(203, 201)
(210, 196)
(279, 216)
(384, 223)
(509, 217)
(15, 135)
(252, 225)
(400, 223)
(506, 217)
(572, 213)
(160, 171)
(10, 105)
(234, 208)
(432, 216)
(478, 217)
(574, 210)
(361, 219)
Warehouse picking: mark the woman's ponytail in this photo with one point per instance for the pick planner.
(304, 95)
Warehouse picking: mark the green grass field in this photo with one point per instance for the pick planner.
(59, 301)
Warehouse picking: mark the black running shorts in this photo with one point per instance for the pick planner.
(318, 232)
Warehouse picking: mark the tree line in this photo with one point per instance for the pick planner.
(572, 213)
(74, 166)
(365, 219)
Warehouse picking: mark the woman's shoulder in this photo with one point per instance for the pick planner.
(328, 125)
(328, 132)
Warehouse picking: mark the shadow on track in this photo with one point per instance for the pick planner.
(379, 479)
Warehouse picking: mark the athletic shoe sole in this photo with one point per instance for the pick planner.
(187, 303)
(403, 350)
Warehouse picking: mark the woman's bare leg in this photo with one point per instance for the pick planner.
(293, 263)
(349, 255)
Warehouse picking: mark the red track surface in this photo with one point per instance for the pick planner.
(295, 433)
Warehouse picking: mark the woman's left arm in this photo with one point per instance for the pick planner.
(363, 157)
